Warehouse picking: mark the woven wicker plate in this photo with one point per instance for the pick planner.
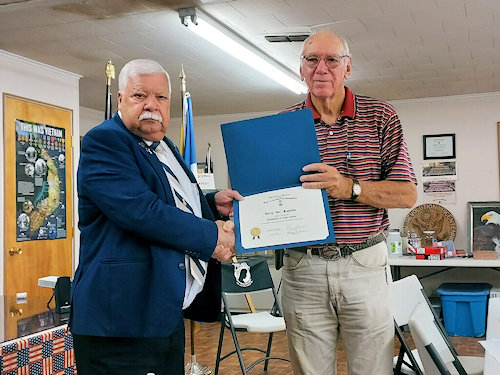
(431, 217)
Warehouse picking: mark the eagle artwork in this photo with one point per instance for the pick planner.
(487, 233)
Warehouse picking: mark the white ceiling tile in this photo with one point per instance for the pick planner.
(223, 11)
(310, 17)
(391, 6)
(414, 75)
(254, 7)
(258, 25)
(384, 23)
(309, 4)
(28, 18)
(477, 16)
(349, 29)
(353, 9)
(491, 5)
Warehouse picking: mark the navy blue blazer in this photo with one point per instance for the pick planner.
(130, 279)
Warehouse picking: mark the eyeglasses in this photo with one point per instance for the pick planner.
(330, 61)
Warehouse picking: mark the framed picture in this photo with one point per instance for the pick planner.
(439, 146)
(484, 226)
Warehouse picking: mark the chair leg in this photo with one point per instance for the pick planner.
(219, 349)
(402, 350)
(268, 352)
(238, 351)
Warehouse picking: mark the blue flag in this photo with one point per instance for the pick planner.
(188, 146)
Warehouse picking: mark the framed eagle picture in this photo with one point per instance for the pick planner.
(484, 226)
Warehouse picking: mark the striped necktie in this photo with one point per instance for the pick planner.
(197, 267)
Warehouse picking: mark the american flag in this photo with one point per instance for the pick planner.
(187, 145)
(48, 353)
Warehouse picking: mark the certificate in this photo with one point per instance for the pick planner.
(265, 157)
(281, 217)
(439, 146)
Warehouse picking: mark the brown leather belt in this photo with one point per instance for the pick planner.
(332, 251)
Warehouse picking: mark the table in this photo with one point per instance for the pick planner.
(35, 338)
(448, 263)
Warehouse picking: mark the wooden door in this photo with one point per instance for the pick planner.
(23, 317)
(38, 194)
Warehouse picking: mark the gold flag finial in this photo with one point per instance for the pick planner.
(110, 72)
(182, 76)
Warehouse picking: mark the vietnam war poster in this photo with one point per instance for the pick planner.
(40, 181)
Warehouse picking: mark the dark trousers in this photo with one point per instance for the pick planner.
(96, 355)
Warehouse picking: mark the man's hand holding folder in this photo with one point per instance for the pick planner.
(265, 157)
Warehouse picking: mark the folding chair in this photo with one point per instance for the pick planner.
(407, 293)
(245, 278)
(432, 348)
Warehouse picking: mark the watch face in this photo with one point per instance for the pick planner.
(356, 189)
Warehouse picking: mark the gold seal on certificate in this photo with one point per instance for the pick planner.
(255, 232)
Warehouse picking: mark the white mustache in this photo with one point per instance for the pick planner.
(150, 115)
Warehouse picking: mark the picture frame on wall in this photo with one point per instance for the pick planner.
(439, 146)
(483, 227)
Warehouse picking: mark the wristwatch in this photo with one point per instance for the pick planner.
(356, 189)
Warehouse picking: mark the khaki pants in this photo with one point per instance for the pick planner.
(351, 295)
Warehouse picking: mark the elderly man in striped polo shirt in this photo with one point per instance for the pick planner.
(365, 169)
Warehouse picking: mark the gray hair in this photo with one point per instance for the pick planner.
(141, 67)
(345, 45)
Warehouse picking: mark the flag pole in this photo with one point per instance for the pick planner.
(192, 367)
(182, 76)
(110, 74)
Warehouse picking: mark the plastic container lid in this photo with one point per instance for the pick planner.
(460, 289)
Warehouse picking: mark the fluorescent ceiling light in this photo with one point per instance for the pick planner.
(252, 59)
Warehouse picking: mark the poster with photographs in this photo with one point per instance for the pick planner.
(440, 192)
(439, 182)
(439, 171)
(40, 181)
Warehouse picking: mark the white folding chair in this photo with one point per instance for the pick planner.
(432, 348)
(407, 293)
(245, 278)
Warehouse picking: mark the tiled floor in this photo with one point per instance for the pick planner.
(206, 341)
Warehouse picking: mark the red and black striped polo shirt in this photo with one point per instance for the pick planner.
(366, 142)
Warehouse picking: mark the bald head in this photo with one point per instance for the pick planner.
(326, 37)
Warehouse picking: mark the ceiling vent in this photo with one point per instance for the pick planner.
(286, 38)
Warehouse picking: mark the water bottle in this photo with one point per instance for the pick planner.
(394, 243)
(414, 241)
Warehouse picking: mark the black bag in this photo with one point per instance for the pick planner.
(61, 294)
(206, 307)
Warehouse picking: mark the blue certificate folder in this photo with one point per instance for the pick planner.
(268, 153)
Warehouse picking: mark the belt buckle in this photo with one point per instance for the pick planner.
(330, 252)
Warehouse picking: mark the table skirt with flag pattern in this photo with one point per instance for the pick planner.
(44, 353)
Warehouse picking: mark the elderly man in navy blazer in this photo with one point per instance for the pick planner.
(151, 242)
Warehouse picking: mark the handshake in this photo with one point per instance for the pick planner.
(225, 248)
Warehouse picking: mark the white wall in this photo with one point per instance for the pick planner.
(473, 119)
(32, 80)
